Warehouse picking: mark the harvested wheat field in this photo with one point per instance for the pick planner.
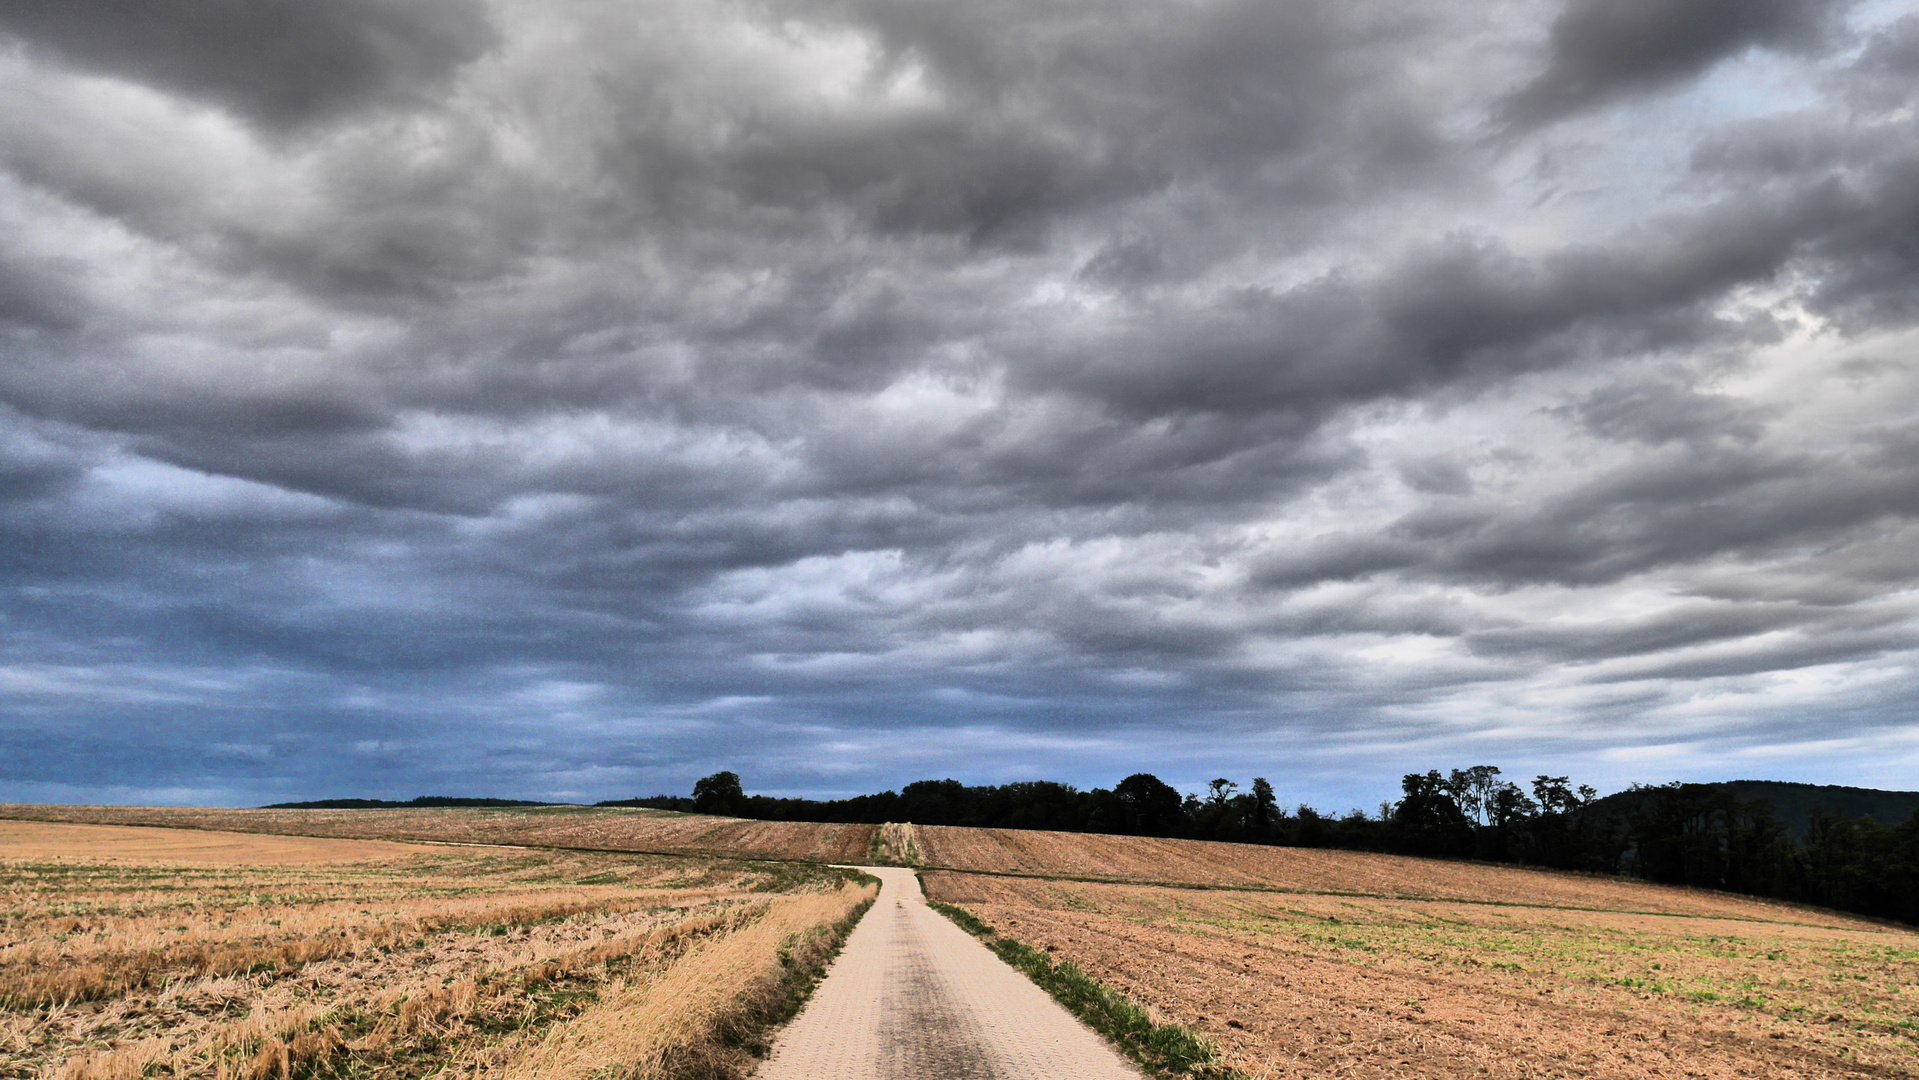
(594, 828)
(151, 952)
(1307, 984)
(41, 841)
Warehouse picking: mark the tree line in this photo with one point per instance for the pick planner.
(1678, 834)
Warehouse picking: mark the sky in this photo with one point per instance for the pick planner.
(567, 399)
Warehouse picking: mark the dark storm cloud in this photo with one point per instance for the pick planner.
(34, 297)
(1017, 128)
(1604, 49)
(1658, 413)
(1054, 108)
(1701, 625)
(1886, 67)
(34, 466)
(1460, 309)
(278, 62)
(573, 394)
(1675, 509)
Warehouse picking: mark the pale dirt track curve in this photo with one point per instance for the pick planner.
(913, 997)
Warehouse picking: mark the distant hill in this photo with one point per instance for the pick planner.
(387, 804)
(1795, 802)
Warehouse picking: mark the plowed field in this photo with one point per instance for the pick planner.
(595, 828)
(1199, 862)
(1333, 984)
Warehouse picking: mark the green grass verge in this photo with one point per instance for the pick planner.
(1168, 1050)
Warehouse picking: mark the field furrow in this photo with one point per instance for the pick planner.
(1335, 984)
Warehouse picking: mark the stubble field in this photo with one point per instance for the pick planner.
(130, 952)
(589, 828)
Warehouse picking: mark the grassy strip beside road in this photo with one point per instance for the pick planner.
(1167, 1050)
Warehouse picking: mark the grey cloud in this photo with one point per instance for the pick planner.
(33, 467)
(1874, 258)
(1693, 626)
(1779, 148)
(1852, 175)
(1604, 49)
(1851, 131)
(1883, 77)
(1677, 509)
(1130, 262)
(1796, 651)
(1681, 509)
(1106, 382)
(1658, 413)
(32, 297)
(1462, 309)
(1343, 558)
(1437, 476)
(281, 63)
(1234, 84)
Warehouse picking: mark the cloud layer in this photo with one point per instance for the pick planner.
(570, 398)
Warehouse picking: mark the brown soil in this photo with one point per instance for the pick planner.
(593, 828)
(1335, 985)
(1202, 862)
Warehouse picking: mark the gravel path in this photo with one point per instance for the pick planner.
(913, 997)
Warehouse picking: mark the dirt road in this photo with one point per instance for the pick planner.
(914, 997)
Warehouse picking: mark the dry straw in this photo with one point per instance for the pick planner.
(675, 1022)
(465, 962)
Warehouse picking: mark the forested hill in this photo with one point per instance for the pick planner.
(1794, 803)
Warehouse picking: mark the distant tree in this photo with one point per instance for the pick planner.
(937, 802)
(1221, 815)
(1312, 831)
(1104, 813)
(1263, 816)
(1570, 832)
(720, 793)
(1508, 806)
(1472, 789)
(1860, 865)
(1427, 821)
(1148, 805)
(1357, 832)
(1554, 796)
(1030, 804)
(680, 803)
